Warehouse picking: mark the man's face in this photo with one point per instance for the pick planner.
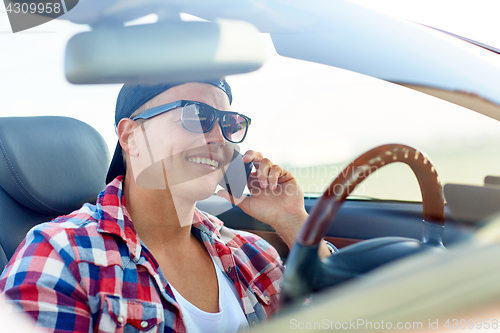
(191, 162)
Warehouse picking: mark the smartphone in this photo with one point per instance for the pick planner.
(236, 176)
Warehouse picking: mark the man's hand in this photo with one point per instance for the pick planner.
(275, 198)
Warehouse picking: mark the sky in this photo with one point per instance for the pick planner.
(32, 83)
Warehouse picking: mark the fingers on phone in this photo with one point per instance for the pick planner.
(267, 173)
(252, 156)
(274, 173)
(263, 170)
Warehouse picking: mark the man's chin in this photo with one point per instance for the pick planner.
(192, 191)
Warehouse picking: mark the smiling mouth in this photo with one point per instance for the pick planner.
(205, 161)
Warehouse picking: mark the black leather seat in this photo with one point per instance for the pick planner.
(49, 166)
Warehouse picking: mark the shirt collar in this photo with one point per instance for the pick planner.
(114, 217)
(202, 222)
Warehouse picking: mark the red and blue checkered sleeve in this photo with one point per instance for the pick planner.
(43, 279)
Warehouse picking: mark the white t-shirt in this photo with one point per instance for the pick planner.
(229, 319)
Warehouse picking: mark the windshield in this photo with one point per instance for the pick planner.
(318, 126)
(310, 118)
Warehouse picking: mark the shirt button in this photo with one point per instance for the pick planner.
(254, 323)
(228, 270)
(144, 324)
(121, 319)
(266, 299)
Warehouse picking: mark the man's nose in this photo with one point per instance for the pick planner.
(215, 134)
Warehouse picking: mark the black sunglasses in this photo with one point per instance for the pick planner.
(199, 117)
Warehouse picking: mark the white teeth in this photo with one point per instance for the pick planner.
(203, 160)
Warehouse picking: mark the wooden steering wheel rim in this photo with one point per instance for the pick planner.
(330, 203)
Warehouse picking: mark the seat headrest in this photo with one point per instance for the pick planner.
(51, 165)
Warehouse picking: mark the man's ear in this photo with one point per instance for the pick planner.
(127, 136)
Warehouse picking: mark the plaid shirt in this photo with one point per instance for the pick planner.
(89, 272)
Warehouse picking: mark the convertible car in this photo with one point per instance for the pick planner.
(390, 126)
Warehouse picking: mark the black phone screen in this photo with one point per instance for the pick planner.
(236, 176)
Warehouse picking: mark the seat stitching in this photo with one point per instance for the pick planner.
(19, 182)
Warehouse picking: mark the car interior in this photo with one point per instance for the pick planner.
(40, 172)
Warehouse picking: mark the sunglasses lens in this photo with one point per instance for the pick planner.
(234, 127)
(197, 118)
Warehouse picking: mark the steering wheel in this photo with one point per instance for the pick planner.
(306, 272)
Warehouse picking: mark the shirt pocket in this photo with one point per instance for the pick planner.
(267, 287)
(122, 315)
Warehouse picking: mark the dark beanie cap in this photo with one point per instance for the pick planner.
(130, 98)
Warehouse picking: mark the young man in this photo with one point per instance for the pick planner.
(144, 258)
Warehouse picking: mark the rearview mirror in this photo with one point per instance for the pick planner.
(164, 52)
